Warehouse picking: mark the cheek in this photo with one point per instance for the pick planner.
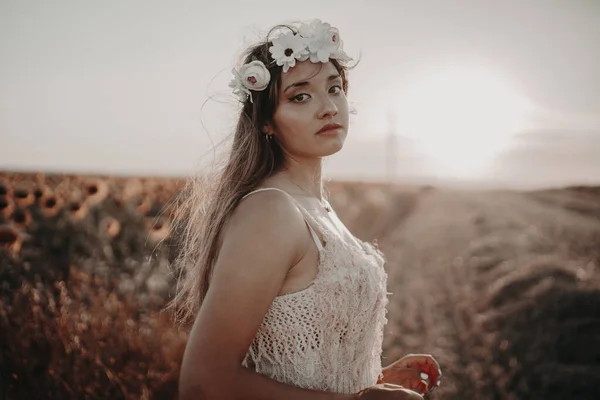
(293, 121)
(343, 108)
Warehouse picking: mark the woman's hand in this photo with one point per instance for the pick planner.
(387, 391)
(418, 372)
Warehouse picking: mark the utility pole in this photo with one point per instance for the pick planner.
(391, 150)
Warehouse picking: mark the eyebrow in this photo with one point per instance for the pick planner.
(306, 83)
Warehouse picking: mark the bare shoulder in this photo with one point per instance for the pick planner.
(265, 237)
(264, 216)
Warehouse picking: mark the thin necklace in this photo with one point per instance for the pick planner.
(324, 203)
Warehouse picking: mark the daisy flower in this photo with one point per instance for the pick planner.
(287, 48)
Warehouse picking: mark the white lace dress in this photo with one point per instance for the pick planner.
(329, 335)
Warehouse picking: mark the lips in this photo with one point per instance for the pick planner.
(329, 126)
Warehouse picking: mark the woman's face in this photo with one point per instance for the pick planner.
(309, 99)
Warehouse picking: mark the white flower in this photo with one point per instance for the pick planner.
(342, 56)
(252, 76)
(255, 75)
(287, 48)
(238, 87)
(323, 42)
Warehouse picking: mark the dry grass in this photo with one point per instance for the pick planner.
(523, 299)
(64, 341)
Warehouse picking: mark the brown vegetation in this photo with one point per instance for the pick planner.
(503, 288)
(83, 266)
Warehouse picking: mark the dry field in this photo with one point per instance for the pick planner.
(503, 288)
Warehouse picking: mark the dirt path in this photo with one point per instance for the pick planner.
(428, 272)
(420, 255)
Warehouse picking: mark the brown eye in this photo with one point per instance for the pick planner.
(296, 99)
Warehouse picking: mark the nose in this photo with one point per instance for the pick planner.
(328, 108)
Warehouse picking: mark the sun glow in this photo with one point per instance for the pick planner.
(460, 118)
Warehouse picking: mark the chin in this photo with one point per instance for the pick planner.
(332, 146)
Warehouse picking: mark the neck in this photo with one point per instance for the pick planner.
(306, 174)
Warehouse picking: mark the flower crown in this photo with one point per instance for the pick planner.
(317, 41)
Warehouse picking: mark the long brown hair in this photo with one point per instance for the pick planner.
(206, 202)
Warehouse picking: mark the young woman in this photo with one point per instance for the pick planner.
(287, 303)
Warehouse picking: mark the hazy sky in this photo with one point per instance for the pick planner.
(120, 86)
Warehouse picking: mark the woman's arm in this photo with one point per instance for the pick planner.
(264, 238)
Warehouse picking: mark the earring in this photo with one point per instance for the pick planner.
(269, 137)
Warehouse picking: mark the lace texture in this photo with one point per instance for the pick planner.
(329, 335)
